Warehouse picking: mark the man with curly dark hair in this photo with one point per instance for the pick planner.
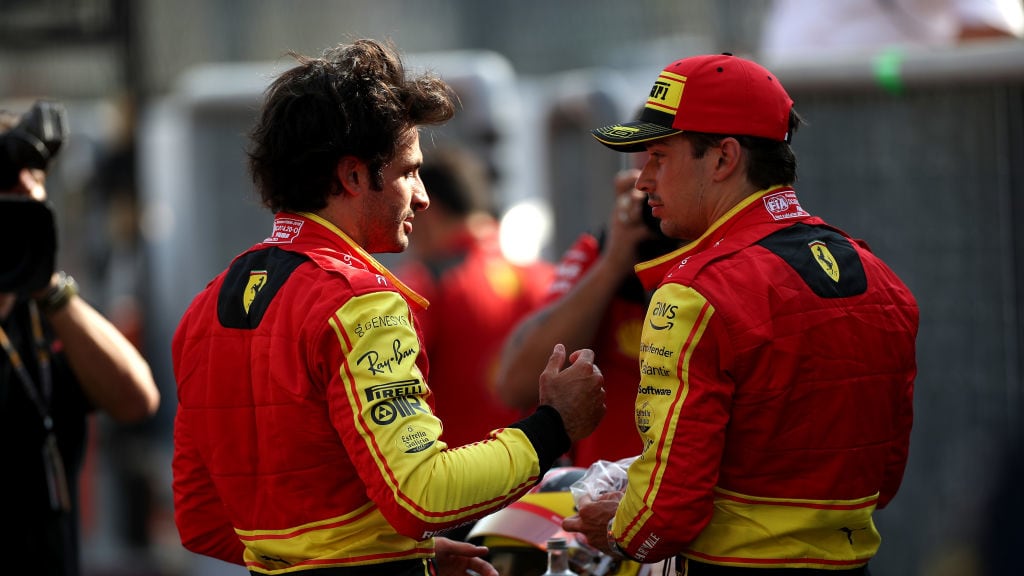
(305, 436)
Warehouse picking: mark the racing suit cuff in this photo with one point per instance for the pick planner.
(546, 431)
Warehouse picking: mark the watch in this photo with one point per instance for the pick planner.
(58, 295)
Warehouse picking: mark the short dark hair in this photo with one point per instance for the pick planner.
(354, 100)
(772, 162)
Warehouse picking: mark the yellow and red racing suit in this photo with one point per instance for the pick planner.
(304, 435)
(775, 403)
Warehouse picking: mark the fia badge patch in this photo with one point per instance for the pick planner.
(825, 259)
(257, 280)
(783, 205)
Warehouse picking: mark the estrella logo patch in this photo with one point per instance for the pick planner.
(257, 280)
(643, 416)
(414, 439)
(825, 259)
(666, 92)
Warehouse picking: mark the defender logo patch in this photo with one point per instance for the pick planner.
(257, 280)
(825, 259)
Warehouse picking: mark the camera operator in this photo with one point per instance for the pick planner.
(61, 360)
(595, 302)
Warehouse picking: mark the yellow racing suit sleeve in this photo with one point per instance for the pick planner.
(681, 414)
(378, 404)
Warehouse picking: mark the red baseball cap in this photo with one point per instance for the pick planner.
(716, 94)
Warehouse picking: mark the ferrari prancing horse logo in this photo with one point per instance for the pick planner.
(825, 259)
(257, 279)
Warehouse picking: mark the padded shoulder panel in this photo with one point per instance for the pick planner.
(251, 284)
(825, 259)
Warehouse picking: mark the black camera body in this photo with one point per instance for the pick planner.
(30, 237)
(29, 255)
(34, 142)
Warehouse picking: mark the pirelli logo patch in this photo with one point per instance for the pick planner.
(394, 390)
(667, 92)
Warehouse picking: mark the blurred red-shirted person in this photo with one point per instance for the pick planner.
(476, 294)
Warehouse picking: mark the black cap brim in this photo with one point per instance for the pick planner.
(631, 136)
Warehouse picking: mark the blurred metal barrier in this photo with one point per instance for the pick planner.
(578, 169)
(922, 155)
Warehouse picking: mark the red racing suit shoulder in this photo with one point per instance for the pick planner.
(304, 436)
(777, 366)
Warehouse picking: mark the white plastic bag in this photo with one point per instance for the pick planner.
(600, 478)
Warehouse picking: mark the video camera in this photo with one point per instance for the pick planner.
(28, 256)
(34, 142)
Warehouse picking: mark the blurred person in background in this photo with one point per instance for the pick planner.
(62, 360)
(815, 29)
(596, 301)
(777, 356)
(476, 294)
(305, 438)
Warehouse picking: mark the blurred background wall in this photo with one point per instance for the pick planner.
(919, 152)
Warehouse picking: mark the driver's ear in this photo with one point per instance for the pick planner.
(353, 175)
(730, 153)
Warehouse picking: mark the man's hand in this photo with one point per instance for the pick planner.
(576, 392)
(592, 520)
(454, 558)
(626, 227)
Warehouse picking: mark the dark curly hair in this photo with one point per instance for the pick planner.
(354, 100)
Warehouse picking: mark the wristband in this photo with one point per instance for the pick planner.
(58, 295)
(612, 544)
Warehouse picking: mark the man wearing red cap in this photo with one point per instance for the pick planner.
(777, 354)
